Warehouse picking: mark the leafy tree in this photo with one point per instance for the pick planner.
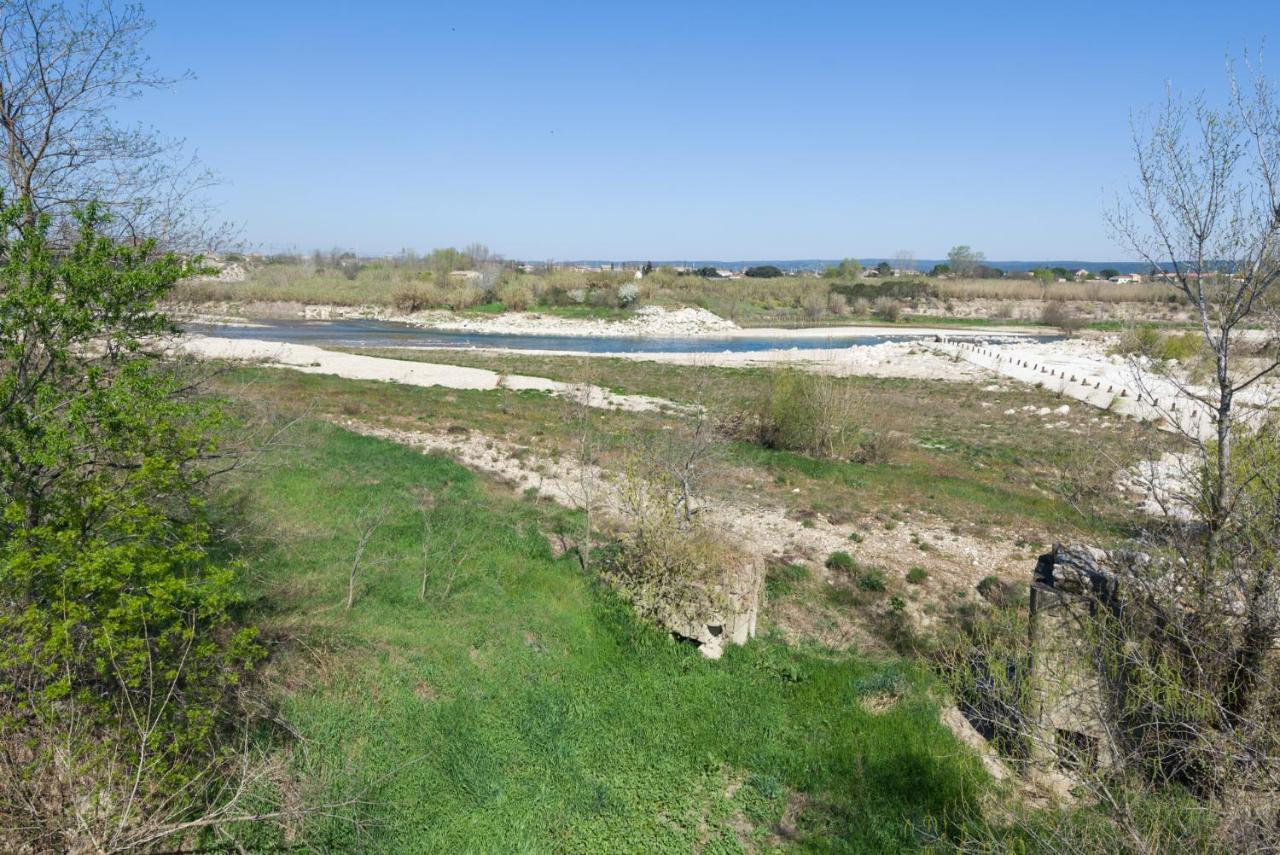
(707, 273)
(940, 270)
(1043, 275)
(446, 260)
(763, 271)
(847, 269)
(884, 269)
(963, 260)
(1108, 272)
(119, 659)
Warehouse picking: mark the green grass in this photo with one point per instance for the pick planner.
(970, 462)
(528, 711)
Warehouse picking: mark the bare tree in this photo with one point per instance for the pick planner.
(366, 526)
(64, 68)
(905, 259)
(1170, 676)
(1205, 215)
(446, 546)
(582, 421)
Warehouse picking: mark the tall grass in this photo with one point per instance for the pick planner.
(1025, 289)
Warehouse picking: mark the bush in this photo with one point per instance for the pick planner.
(888, 309)
(841, 562)
(917, 574)
(872, 580)
(118, 645)
(837, 304)
(1056, 314)
(763, 271)
(666, 561)
(804, 412)
(603, 298)
(813, 304)
(1149, 341)
(780, 581)
(880, 446)
(901, 289)
(416, 299)
(516, 296)
(628, 295)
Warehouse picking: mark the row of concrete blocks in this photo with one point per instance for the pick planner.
(1083, 381)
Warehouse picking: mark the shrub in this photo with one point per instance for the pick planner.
(888, 309)
(813, 305)
(416, 298)
(872, 580)
(841, 562)
(1056, 314)
(1148, 341)
(837, 304)
(783, 580)
(917, 574)
(119, 651)
(604, 298)
(901, 289)
(804, 412)
(515, 295)
(763, 271)
(666, 561)
(879, 446)
(1183, 347)
(628, 295)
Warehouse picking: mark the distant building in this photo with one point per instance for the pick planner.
(1126, 278)
(1081, 274)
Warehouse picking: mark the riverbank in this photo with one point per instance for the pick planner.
(315, 360)
(645, 322)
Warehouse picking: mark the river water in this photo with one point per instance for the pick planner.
(371, 333)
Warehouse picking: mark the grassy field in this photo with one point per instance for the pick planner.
(969, 460)
(520, 707)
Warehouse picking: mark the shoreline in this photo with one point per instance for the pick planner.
(647, 322)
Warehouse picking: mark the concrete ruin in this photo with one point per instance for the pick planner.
(1071, 586)
(724, 612)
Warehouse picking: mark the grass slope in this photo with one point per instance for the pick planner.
(527, 711)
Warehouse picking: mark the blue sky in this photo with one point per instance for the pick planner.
(680, 130)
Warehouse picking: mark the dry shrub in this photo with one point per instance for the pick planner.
(888, 309)
(416, 298)
(667, 558)
(1056, 314)
(837, 305)
(813, 303)
(516, 296)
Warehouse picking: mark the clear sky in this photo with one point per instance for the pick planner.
(733, 130)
